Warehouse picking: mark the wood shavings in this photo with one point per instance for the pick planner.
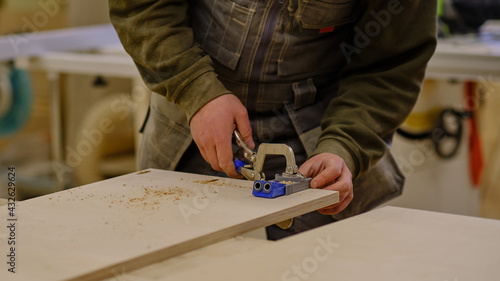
(156, 196)
(206, 181)
(242, 186)
(217, 182)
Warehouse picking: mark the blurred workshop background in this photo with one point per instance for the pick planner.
(72, 102)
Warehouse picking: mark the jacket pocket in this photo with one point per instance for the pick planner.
(166, 135)
(383, 182)
(318, 14)
(221, 28)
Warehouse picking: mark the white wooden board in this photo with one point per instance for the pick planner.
(179, 265)
(93, 231)
(385, 244)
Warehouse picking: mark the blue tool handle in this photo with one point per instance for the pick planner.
(238, 164)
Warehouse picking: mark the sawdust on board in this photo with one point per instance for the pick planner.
(152, 196)
(214, 181)
(149, 198)
(217, 182)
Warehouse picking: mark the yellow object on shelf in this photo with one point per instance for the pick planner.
(419, 121)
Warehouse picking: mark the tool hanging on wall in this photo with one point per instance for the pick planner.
(16, 92)
(475, 152)
(446, 134)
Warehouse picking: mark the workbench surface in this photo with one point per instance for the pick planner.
(93, 231)
(161, 225)
(385, 244)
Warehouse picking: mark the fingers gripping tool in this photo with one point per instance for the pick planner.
(289, 182)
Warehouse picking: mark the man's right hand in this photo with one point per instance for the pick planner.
(212, 130)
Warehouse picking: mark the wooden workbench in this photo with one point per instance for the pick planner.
(117, 225)
(160, 225)
(385, 244)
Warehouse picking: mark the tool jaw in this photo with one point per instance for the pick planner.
(249, 173)
(248, 153)
(289, 182)
(275, 149)
(253, 171)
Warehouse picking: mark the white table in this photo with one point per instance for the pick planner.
(385, 244)
(134, 227)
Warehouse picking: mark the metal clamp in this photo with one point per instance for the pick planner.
(289, 182)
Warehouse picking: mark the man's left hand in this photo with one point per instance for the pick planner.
(329, 171)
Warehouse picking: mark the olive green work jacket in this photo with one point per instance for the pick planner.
(357, 65)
